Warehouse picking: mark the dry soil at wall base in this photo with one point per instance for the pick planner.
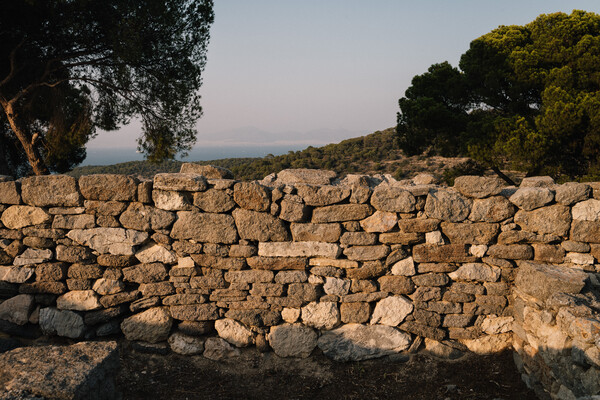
(264, 376)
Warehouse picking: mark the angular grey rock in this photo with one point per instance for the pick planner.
(336, 286)
(588, 210)
(447, 205)
(186, 345)
(263, 227)
(355, 342)
(33, 256)
(50, 190)
(17, 217)
(543, 280)
(84, 370)
(392, 199)
(214, 201)
(476, 272)
(530, 198)
(572, 192)
(204, 227)
(303, 175)
(554, 219)
(79, 300)
(62, 323)
(108, 187)
(9, 193)
(252, 196)
(492, 209)
(537, 181)
(292, 340)
(145, 218)
(187, 182)
(478, 186)
(105, 286)
(152, 325)
(218, 349)
(115, 241)
(323, 315)
(391, 310)
(234, 332)
(380, 221)
(17, 309)
(15, 274)
(325, 195)
(298, 249)
(208, 171)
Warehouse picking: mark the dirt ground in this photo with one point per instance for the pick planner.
(254, 375)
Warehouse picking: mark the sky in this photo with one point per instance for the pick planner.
(310, 72)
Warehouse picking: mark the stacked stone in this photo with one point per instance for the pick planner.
(291, 263)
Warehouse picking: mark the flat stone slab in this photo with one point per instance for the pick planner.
(543, 280)
(84, 370)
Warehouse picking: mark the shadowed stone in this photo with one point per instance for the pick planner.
(9, 193)
(17, 309)
(572, 192)
(543, 280)
(62, 323)
(292, 340)
(152, 325)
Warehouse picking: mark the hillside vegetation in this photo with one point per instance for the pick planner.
(370, 154)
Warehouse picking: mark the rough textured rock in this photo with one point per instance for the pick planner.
(17, 309)
(155, 253)
(323, 315)
(354, 342)
(50, 190)
(108, 187)
(316, 232)
(152, 325)
(194, 312)
(33, 256)
(17, 217)
(208, 171)
(555, 220)
(393, 199)
(79, 300)
(252, 196)
(292, 340)
(298, 249)
(530, 198)
(492, 209)
(253, 225)
(115, 241)
(405, 267)
(188, 182)
(9, 194)
(234, 332)
(214, 201)
(303, 175)
(537, 181)
(341, 213)
(447, 205)
(61, 322)
(418, 225)
(542, 280)
(145, 218)
(511, 251)
(585, 231)
(478, 186)
(171, 201)
(490, 344)
(380, 221)
(588, 210)
(80, 371)
(314, 195)
(476, 272)
(391, 310)
(477, 233)
(445, 253)
(218, 349)
(145, 273)
(15, 274)
(82, 221)
(572, 192)
(204, 227)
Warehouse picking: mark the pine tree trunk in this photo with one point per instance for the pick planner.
(36, 162)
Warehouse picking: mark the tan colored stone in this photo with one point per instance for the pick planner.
(204, 227)
(391, 310)
(396, 284)
(116, 241)
(447, 205)
(277, 263)
(341, 213)
(208, 171)
(188, 182)
(304, 175)
(152, 325)
(530, 198)
(476, 272)
(79, 300)
(366, 253)
(298, 249)
(316, 232)
(572, 192)
(418, 225)
(401, 238)
(555, 219)
(323, 315)
(392, 199)
(252, 196)
(445, 253)
(292, 340)
(214, 201)
(263, 227)
(108, 187)
(17, 217)
(322, 195)
(478, 186)
(380, 221)
(50, 190)
(585, 231)
(9, 194)
(548, 253)
(476, 233)
(511, 251)
(145, 218)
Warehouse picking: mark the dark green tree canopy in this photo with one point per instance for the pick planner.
(70, 67)
(524, 97)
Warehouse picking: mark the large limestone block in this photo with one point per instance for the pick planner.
(391, 310)
(492, 209)
(156, 253)
(9, 193)
(543, 280)
(393, 199)
(208, 171)
(115, 241)
(447, 205)
(204, 227)
(171, 201)
(323, 315)
(292, 340)
(478, 186)
(304, 175)
(61, 322)
(108, 187)
(17, 217)
(263, 227)
(588, 210)
(50, 190)
(530, 198)
(380, 221)
(17, 309)
(298, 249)
(187, 182)
(79, 300)
(214, 201)
(326, 195)
(234, 332)
(476, 272)
(33, 256)
(84, 370)
(554, 220)
(341, 213)
(477, 233)
(152, 325)
(145, 218)
(252, 196)
(316, 232)
(355, 342)
(572, 192)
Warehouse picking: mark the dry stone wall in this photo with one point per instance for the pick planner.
(359, 268)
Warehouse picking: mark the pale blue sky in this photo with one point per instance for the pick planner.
(317, 71)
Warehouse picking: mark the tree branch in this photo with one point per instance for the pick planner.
(13, 63)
